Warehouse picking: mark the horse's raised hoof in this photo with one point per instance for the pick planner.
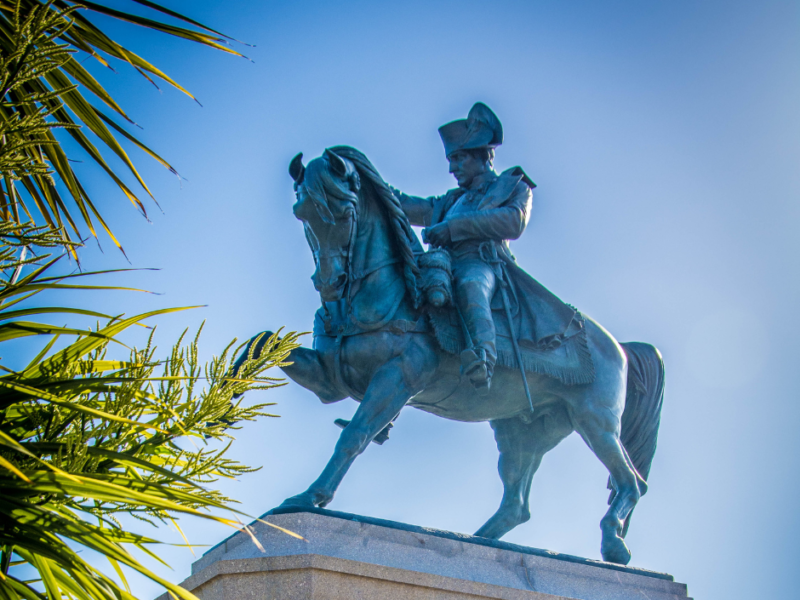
(265, 335)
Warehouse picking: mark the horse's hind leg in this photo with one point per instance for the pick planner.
(599, 426)
(522, 446)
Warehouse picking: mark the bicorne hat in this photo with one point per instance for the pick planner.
(481, 129)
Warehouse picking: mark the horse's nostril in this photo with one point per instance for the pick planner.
(340, 280)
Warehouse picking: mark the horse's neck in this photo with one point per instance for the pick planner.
(379, 284)
(374, 248)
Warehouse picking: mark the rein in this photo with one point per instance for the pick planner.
(347, 252)
(338, 376)
(351, 243)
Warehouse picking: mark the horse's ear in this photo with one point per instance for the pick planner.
(338, 166)
(296, 169)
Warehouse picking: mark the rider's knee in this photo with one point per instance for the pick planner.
(475, 290)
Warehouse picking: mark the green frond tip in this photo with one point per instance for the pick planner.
(44, 87)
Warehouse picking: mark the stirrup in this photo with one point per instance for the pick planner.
(483, 386)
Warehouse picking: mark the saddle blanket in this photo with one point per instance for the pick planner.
(570, 361)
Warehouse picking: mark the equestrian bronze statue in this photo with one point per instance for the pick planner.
(461, 331)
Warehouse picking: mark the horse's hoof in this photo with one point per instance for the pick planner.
(303, 500)
(504, 520)
(615, 551)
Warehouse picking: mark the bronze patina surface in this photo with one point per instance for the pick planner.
(491, 345)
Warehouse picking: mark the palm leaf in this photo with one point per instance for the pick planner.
(82, 433)
(68, 28)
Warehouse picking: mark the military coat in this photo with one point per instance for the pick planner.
(498, 211)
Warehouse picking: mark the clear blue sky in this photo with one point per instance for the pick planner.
(665, 139)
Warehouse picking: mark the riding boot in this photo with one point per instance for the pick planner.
(477, 363)
(475, 284)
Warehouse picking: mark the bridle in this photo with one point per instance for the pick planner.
(347, 253)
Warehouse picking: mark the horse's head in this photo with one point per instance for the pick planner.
(327, 204)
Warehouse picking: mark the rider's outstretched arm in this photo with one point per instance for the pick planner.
(418, 210)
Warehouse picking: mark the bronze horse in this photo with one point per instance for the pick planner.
(371, 344)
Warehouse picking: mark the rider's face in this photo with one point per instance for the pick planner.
(465, 166)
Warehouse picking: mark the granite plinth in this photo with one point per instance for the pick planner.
(347, 557)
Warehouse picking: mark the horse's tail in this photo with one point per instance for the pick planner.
(643, 400)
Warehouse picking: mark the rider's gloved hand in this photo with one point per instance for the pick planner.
(438, 235)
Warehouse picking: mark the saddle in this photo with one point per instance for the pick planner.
(564, 356)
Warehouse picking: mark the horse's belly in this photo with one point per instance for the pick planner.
(448, 395)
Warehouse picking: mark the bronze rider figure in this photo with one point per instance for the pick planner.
(485, 210)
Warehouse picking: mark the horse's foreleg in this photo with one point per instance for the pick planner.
(392, 385)
(386, 395)
(306, 369)
(521, 447)
(599, 428)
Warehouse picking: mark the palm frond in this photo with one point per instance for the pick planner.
(86, 435)
(46, 88)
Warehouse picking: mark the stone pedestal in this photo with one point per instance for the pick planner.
(349, 557)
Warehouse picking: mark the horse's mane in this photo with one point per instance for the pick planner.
(398, 222)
